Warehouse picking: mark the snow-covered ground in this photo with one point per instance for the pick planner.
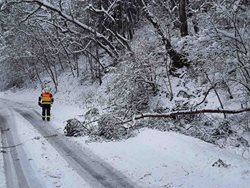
(168, 159)
(53, 170)
(2, 178)
(153, 159)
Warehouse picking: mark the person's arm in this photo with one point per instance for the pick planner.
(52, 98)
(39, 100)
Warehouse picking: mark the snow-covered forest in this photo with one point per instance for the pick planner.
(177, 66)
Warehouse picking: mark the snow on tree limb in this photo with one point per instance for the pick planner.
(203, 111)
(123, 41)
(101, 11)
(183, 113)
(77, 23)
(67, 17)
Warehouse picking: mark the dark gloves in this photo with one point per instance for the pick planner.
(39, 104)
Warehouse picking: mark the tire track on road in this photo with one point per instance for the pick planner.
(90, 167)
(16, 165)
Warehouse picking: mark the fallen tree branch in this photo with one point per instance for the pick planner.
(182, 113)
(178, 113)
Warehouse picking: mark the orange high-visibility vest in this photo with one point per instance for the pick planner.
(46, 98)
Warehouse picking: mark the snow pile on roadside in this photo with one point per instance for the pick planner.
(2, 176)
(157, 159)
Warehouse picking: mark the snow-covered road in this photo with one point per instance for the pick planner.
(152, 159)
(18, 171)
(59, 159)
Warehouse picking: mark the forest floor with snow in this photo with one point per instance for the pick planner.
(152, 158)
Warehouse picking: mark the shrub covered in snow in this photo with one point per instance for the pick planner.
(107, 127)
(75, 128)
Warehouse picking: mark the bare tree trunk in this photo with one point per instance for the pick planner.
(183, 18)
(60, 61)
(195, 24)
(55, 73)
(37, 73)
(69, 61)
(76, 64)
(91, 65)
(49, 70)
(98, 67)
(216, 92)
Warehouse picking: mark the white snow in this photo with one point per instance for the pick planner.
(52, 169)
(167, 159)
(2, 176)
(152, 159)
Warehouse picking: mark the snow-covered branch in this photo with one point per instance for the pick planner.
(184, 113)
(181, 113)
(103, 11)
(85, 27)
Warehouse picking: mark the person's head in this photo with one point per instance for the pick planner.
(46, 89)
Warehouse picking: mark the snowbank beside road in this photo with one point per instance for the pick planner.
(2, 176)
(157, 159)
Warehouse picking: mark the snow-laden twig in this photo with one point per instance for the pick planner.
(120, 39)
(90, 7)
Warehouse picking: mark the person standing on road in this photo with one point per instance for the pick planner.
(45, 101)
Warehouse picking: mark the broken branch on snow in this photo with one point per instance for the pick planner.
(182, 113)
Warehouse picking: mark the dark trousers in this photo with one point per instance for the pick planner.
(46, 111)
